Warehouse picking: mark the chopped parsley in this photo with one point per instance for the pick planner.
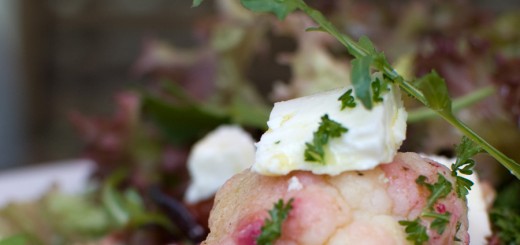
(347, 100)
(415, 230)
(440, 189)
(272, 228)
(440, 221)
(315, 151)
(377, 90)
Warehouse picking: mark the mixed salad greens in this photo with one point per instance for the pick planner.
(438, 50)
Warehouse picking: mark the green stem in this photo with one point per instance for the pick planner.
(458, 104)
(356, 50)
(507, 162)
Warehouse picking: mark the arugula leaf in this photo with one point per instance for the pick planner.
(272, 228)
(361, 80)
(464, 165)
(328, 129)
(280, 8)
(438, 190)
(436, 92)
(347, 100)
(415, 230)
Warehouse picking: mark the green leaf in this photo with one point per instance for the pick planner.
(113, 201)
(416, 232)
(347, 100)
(280, 8)
(315, 152)
(507, 223)
(440, 221)
(361, 80)
(438, 190)
(272, 228)
(436, 92)
(464, 165)
(378, 88)
(196, 3)
(181, 123)
(18, 239)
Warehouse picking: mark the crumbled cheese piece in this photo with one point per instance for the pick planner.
(294, 184)
(373, 136)
(217, 157)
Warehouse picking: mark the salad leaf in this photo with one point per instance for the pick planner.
(182, 123)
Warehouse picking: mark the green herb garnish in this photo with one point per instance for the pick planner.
(464, 165)
(440, 221)
(415, 230)
(315, 151)
(439, 189)
(347, 100)
(272, 228)
(377, 90)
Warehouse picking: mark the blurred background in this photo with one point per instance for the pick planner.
(59, 55)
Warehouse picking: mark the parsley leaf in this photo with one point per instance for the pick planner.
(415, 230)
(440, 221)
(361, 80)
(378, 88)
(507, 221)
(436, 92)
(439, 189)
(272, 228)
(464, 165)
(280, 8)
(347, 100)
(328, 128)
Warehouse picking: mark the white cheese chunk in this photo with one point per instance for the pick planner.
(373, 136)
(217, 157)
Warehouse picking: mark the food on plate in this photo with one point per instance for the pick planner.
(217, 157)
(331, 174)
(358, 207)
(370, 137)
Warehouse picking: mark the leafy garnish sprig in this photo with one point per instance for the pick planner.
(272, 228)
(430, 89)
(464, 165)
